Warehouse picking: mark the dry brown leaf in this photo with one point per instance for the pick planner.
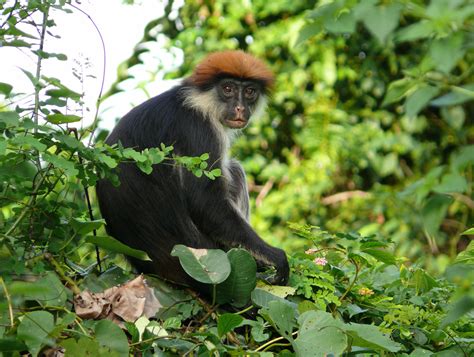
(126, 302)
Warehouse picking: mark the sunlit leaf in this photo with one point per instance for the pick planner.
(209, 266)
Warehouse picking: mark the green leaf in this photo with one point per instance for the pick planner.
(106, 159)
(262, 297)
(458, 95)
(397, 90)
(16, 43)
(130, 153)
(32, 78)
(61, 163)
(307, 31)
(82, 226)
(467, 255)
(382, 20)
(321, 342)
(370, 336)
(417, 100)
(10, 118)
(446, 52)
(380, 255)
(423, 281)
(5, 88)
(145, 167)
(63, 92)
(59, 56)
(62, 118)
(227, 322)
(452, 182)
(237, 288)
(282, 316)
(416, 31)
(457, 310)
(111, 336)
(34, 329)
(209, 266)
(84, 347)
(344, 23)
(463, 158)
(29, 141)
(328, 335)
(434, 212)
(469, 231)
(114, 245)
(10, 345)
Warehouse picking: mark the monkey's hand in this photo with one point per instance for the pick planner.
(278, 260)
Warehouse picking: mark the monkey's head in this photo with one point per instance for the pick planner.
(229, 87)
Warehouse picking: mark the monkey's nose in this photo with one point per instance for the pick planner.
(239, 109)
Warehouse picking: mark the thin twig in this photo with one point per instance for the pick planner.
(59, 270)
(353, 281)
(104, 64)
(344, 196)
(9, 301)
(44, 26)
(9, 15)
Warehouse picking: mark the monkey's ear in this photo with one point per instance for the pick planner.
(236, 64)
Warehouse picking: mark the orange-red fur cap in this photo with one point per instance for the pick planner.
(234, 63)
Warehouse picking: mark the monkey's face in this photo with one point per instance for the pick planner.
(238, 100)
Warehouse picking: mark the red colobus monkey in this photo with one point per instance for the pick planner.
(172, 206)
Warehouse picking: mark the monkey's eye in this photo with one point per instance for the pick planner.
(227, 89)
(249, 92)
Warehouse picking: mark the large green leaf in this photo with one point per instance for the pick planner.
(446, 52)
(283, 317)
(322, 342)
(237, 288)
(382, 20)
(34, 329)
(209, 266)
(112, 337)
(9, 118)
(416, 31)
(452, 182)
(458, 95)
(417, 100)
(114, 245)
(370, 336)
(82, 226)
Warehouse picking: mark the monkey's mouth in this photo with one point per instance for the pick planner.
(237, 123)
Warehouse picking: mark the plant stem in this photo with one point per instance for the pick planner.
(9, 301)
(353, 281)
(59, 270)
(38, 76)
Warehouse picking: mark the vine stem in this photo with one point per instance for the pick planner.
(9, 301)
(271, 342)
(353, 281)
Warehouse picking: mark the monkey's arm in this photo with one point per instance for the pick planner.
(216, 217)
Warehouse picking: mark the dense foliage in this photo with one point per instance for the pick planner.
(369, 130)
